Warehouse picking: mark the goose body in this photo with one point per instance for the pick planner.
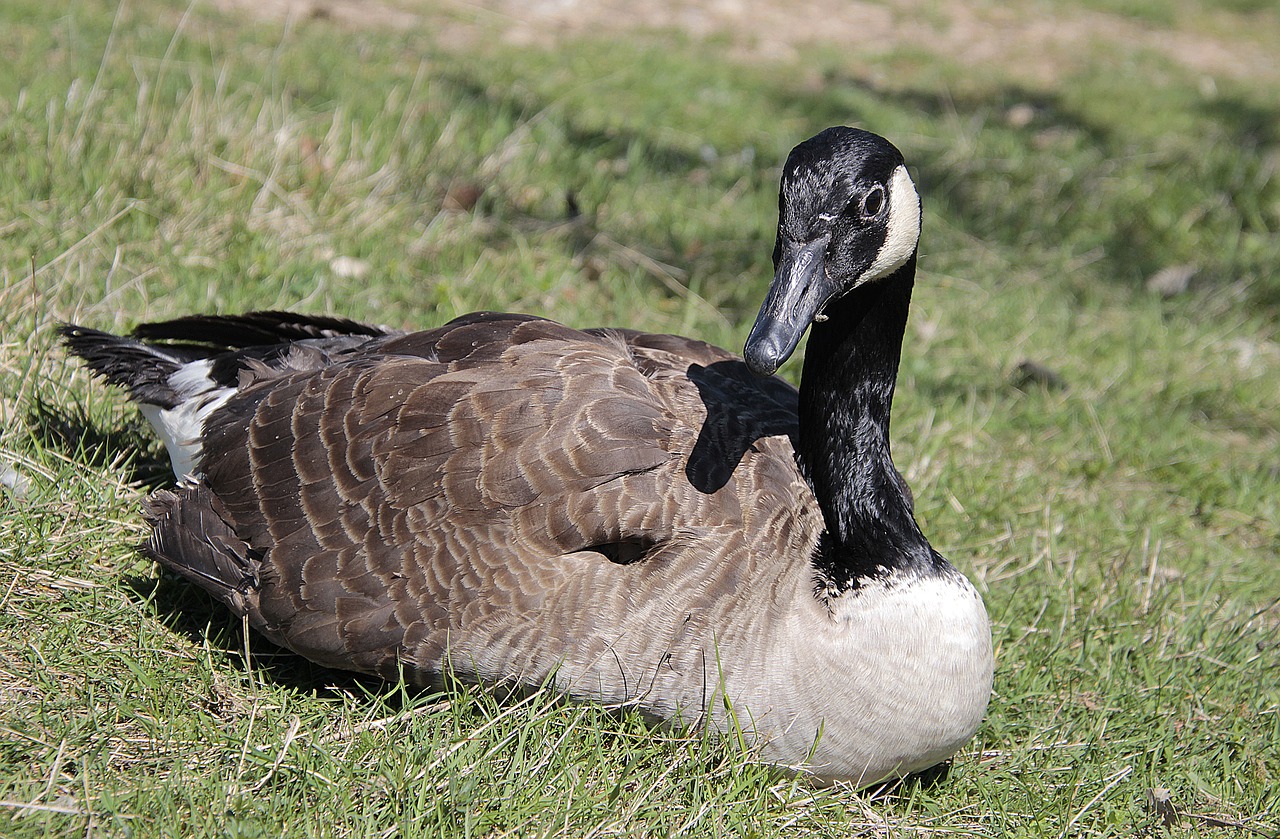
(631, 518)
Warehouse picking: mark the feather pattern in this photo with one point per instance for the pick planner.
(429, 486)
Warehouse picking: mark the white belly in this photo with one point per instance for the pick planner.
(894, 680)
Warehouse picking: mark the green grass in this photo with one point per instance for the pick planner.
(1124, 529)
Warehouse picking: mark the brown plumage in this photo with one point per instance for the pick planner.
(621, 515)
(360, 538)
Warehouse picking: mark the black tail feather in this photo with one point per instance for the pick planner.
(144, 362)
(253, 329)
(141, 369)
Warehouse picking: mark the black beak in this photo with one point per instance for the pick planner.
(799, 291)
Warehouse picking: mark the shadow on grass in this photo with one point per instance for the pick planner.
(928, 779)
(129, 447)
(593, 143)
(1044, 174)
(190, 612)
(574, 231)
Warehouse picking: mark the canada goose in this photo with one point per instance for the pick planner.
(632, 518)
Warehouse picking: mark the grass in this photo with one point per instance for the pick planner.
(1123, 527)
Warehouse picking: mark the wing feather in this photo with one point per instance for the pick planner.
(408, 491)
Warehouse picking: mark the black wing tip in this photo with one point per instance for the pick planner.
(75, 336)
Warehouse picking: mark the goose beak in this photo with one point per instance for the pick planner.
(799, 290)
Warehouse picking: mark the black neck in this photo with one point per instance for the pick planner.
(846, 393)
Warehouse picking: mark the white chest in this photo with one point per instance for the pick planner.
(894, 680)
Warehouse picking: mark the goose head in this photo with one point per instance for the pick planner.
(848, 215)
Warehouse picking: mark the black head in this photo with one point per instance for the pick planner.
(848, 214)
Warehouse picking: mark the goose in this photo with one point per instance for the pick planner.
(635, 519)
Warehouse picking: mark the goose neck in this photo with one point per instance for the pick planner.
(846, 396)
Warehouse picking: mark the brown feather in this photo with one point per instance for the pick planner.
(442, 480)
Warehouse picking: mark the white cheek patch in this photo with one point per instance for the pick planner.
(902, 233)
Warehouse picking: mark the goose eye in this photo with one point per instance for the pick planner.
(873, 202)
(868, 206)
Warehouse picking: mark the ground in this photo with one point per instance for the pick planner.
(1088, 409)
(1037, 42)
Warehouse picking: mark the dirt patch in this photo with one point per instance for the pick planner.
(356, 13)
(1030, 41)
